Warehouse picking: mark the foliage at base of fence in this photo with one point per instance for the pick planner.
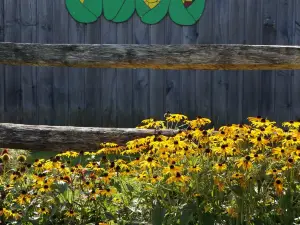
(238, 174)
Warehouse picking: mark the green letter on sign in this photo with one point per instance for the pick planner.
(182, 12)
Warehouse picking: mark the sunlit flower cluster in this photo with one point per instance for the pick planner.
(240, 174)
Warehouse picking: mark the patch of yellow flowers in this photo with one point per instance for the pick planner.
(243, 172)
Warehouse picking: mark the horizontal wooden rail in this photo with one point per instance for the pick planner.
(176, 57)
(60, 138)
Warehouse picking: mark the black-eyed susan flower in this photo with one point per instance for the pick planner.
(21, 158)
(155, 178)
(280, 152)
(149, 162)
(244, 163)
(5, 158)
(108, 191)
(43, 210)
(178, 178)
(194, 169)
(220, 167)
(70, 213)
(273, 172)
(172, 169)
(278, 184)
(257, 157)
(259, 142)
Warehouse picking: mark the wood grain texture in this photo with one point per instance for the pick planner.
(60, 138)
(206, 57)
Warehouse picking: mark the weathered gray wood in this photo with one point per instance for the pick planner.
(76, 83)
(60, 75)
(220, 78)
(124, 79)
(93, 109)
(203, 87)
(13, 91)
(157, 79)
(267, 107)
(251, 82)
(236, 13)
(188, 102)
(285, 32)
(60, 138)
(173, 35)
(296, 77)
(45, 90)
(2, 71)
(109, 78)
(140, 89)
(206, 57)
(28, 74)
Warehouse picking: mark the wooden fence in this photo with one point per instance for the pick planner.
(209, 57)
(122, 98)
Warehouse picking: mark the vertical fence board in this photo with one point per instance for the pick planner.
(2, 71)
(94, 86)
(140, 82)
(285, 26)
(13, 90)
(235, 78)
(173, 35)
(296, 77)
(76, 82)
(109, 78)
(28, 74)
(60, 75)
(124, 79)
(45, 82)
(203, 87)
(269, 33)
(157, 79)
(188, 77)
(220, 78)
(253, 35)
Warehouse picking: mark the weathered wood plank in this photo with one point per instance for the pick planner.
(203, 87)
(60, 21)
(188, 77)
(140, 89)
(60, 138)
(206, 57)
(45, 82)
(220, 78)
(13, 89)
(93, 109)
(296, 77)
(253, 35)
(124, 79)
(285, 32)
(157, 79)
(76, 81)
(236, 35)
(269, 33)
(109, 78)
(28, 73)
(173, 35)
(2, 74)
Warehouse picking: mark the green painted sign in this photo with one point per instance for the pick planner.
(182, 12)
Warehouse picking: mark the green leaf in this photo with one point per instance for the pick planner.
(86, 11)
(186, 15)
(118, 10)
(154, 15)
(158, 214)
(187, 214)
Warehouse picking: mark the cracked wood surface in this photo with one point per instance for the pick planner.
(200, 57)
(60, 138)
